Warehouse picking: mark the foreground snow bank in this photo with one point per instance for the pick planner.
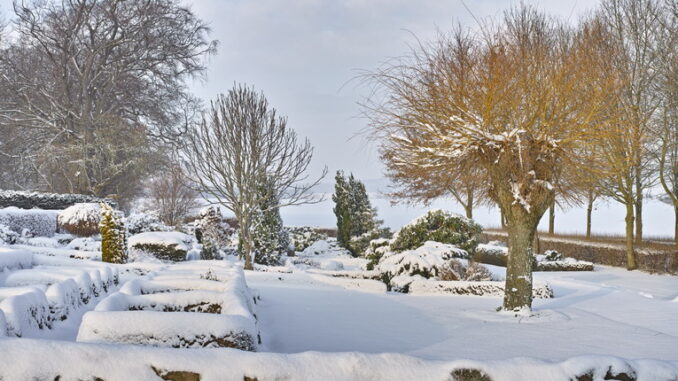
(124, 362)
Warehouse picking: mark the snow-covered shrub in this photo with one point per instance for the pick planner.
(38, 222)
(375, 250)
(568, 264)
(438, 226)
(213, 232)
(455, 270)
(552, 255)
(8, 236)
(140, 222)
(113, 236)
(170, 246)
(359, 245)
(80, 219)
(302, 237)
(85, 244)
(427, 260)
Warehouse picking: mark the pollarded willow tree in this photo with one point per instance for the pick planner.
(242, 145)
(519, 103)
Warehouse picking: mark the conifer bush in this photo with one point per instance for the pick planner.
(113, 236)
(438, 226)
(270, 239)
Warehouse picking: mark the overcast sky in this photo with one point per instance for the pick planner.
(301, 53)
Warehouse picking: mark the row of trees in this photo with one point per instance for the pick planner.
(531, 109)
(643, 34)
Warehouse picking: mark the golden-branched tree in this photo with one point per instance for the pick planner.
(517, 103)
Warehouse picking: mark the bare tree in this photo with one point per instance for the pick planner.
(633, 27)
(241, 144)
(171, 196)
(79, 68)
(517, 102)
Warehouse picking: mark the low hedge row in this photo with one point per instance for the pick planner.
(653, 261)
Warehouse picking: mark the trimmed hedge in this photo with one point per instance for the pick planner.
(52, 201)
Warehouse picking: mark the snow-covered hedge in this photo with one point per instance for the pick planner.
(13, 259)
(51, 201)
(439, 226)
(171, 246)
(176, 329)
(7, 235)
(178, 308)
(302, 237)
(80, 219)
(24, 309)
(484, 288)
(426, 260)
(35, 222)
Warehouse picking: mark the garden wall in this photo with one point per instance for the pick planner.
(654, 261)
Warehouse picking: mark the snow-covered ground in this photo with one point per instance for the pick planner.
(607, 312)
(315, 325)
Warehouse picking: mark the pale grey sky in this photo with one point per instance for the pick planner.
(302, 52)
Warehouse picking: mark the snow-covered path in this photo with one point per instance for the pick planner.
(610, 312)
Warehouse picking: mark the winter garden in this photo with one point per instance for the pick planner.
(142, 229)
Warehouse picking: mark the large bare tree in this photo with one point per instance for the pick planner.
(518, 102)
(241, 145)
(80, 71)
(171, 196)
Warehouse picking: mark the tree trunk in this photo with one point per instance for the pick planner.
(589, 211)
(552, 218)
(518, 287)
(246, 242)
(469, 203)
(503, 218)
(630, 253)
(675, 228)
(639, 215)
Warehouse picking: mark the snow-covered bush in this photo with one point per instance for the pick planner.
(13, 259)
(438, 226)
(80, 219)
(8, 236)
(38, 222)
(24, 311)
(85, 244)
(427, 260)
(473, 272)
(113, 236)
(170, 246)
(139, 222)
(375, 250)
(552, 255)
(302, 237)
(359, 245)
(213, 232)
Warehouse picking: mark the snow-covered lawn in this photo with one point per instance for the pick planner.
(607, 312)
